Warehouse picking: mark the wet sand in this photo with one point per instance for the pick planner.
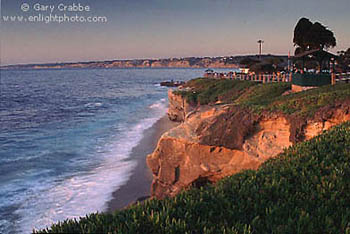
(139, 184)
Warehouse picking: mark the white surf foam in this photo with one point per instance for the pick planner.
(87, 193)
(93, 104)
(160, 105)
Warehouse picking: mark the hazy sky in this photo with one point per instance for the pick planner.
(163, 28)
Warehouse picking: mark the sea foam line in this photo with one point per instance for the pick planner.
(88, 193)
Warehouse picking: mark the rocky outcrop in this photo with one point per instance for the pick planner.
(218, 141)
(178, 107)
(212, 143)
(326, 118)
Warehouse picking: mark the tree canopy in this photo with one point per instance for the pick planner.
(308, 36)
(344, 59)
(248, 62)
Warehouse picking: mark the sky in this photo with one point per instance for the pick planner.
(159, 28)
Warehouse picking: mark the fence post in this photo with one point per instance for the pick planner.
(333, 78)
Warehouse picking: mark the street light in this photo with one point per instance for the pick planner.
(260, 42)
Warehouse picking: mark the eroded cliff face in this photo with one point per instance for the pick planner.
(326, 118)
(217, 141)
(178, 107)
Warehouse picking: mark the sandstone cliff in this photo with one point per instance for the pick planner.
(218, 141)
(178, 107)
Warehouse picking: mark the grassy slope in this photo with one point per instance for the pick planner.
(304, 190)
(260, 97)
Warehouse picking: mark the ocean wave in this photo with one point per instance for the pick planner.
(66, 139)
(93, 104)
(86, 193)
(161, 104)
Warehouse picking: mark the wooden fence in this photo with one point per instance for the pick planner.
(268, 78)
(343, 77)
(263, 78)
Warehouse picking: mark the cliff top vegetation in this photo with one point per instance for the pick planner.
(272, 97)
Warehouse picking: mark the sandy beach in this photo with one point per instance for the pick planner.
(139, 184)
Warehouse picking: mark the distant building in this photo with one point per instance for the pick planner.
(244, 70)
(209, 73)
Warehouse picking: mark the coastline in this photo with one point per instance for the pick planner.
(138, 186)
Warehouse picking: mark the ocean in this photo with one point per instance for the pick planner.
(66, 137)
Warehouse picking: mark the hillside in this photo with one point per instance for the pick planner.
(266, 97)
(189, 62)
(303, 190)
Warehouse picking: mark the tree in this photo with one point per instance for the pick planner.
(344, 59)
(263, 68)
(319, 37)
(301, 34)
(308, 36)
(248, 62)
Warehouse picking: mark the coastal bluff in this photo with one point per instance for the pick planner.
(215, 141)
(178, 107)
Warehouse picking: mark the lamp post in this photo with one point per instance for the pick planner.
(260, 42)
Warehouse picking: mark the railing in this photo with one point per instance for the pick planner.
(263, 78)
(276, 77)
(342, 77)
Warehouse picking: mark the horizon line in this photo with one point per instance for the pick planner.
(133, 59)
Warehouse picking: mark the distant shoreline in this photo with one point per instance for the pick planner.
(189, 62)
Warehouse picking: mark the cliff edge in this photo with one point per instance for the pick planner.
(179, 107)
(215, 141)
